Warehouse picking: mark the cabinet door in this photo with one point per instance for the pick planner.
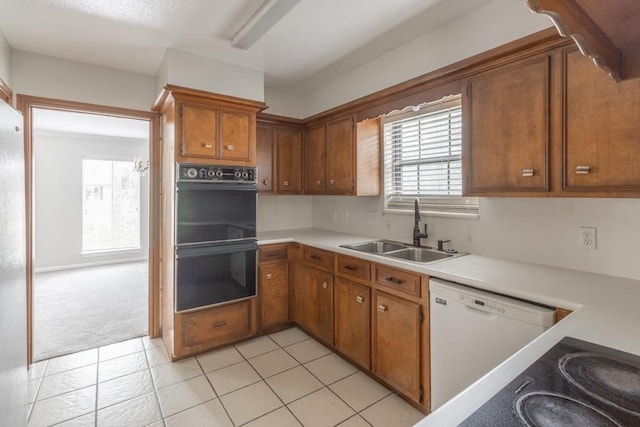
(265, 148)
(289, 160)
(274, 295)
(340, 156)
(353, 321)
(507, 131)
(235, 135)
(602, 129)
(318, 303)
(396, 343)
(314, 160)
(199, 131)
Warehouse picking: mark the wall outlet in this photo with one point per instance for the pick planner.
(372, 218)
(345, 216)
(333, 215)
(588, 237)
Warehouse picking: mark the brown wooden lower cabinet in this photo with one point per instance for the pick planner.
(396, 343)
(353, 321)
(314, 294)
(274, 295)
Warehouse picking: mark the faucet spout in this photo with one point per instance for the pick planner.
(417, 235)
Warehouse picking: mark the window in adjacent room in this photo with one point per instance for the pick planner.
(423, 159)
(110, 206)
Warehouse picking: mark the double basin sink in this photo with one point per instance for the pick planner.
(402, 251)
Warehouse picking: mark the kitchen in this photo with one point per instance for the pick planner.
(537, 230)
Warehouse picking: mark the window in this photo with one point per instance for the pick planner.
(110, 206)
(423, 159)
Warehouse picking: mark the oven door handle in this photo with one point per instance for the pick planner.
(194, 250)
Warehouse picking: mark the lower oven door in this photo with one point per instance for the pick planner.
(214, 274)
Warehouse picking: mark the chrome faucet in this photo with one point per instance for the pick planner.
(417, 235)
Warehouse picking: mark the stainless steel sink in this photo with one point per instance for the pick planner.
(379, 247)
(419, 254)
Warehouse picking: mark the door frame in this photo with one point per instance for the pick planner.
(26, 104)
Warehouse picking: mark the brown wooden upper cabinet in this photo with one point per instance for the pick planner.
(506, 129)
(342, 157)
(279, 158)
(211, 128)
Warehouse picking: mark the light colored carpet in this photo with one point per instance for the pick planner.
(79, 309)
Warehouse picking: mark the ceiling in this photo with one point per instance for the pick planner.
(316, 41)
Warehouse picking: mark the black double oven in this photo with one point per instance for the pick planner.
(216, 243)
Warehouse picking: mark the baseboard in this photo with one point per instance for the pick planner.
(87, 264)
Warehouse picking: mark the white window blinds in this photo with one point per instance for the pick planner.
(423, 159)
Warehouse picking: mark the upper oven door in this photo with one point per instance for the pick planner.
(210, 212)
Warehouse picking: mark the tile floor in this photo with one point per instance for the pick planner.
(284, 379)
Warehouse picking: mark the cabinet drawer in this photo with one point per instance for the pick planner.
(318, 258)
(272, 252)
(354, 267)
(216, 326)
(399, 280)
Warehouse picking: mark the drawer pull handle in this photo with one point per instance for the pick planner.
(359, 299)
(382, 308)
(219, 324)
(318, 182)
(316, 257)
(285, 183)
(527, 172)
(332, 181)
(269, 276)
(273, 254)
(582, 170)
(230, 147)
(350, 268)
(324, 285)
(394, 280)
(207, 145)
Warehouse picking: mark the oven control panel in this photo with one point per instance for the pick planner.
(204, 173)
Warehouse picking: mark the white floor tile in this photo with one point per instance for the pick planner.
(171, 373)
(289, 336)
(32, 389)
(88, 420)
(36, 370)
(256, 347)
(121, 366)
(219, 359)
(157, 356)
(355, 421)
(209, 414)
(119, 349)
(392, 411)
(250, 402)
(359, 391)
(138, 412)
(148, 342)
(64, 407)
(72, 361)
(124, 388)
(331, 368)
(294, 384)
(279, 418)
(321, 409)
(272, 363)
(185, 395)
(65, 382)
(233, 377)
(307, 351)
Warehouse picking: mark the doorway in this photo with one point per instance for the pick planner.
(92, 222)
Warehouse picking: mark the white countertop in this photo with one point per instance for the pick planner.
(606, 308)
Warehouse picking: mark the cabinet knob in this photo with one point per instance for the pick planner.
(582, 170)
(527, 172)
(359, 299)
(265, 182)
(318, 182)
(285, 183)
(269, 276)
(382, 308)
(229, 147)
(324, 285)
(207, 145)
(332, 182)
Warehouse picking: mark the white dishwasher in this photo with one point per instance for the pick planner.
(473, 331)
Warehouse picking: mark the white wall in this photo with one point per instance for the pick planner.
(284, 212)
(197, 72)
(283, 103)
(489, 26)
(58, 196)
(5, 61)
(543, 231)
(46, 76)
